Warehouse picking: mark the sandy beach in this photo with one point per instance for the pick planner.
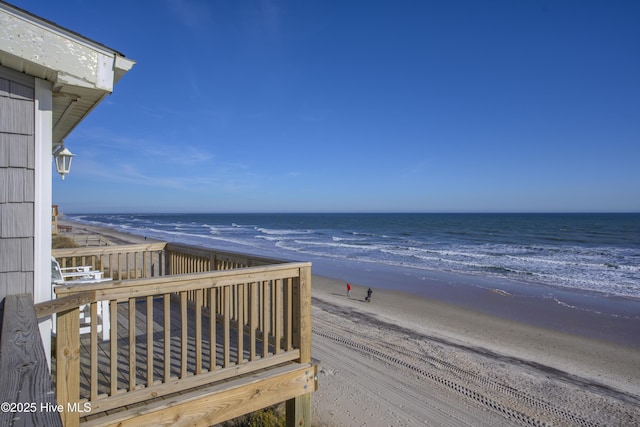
(405, 360)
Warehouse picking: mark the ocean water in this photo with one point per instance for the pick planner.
(589, 253)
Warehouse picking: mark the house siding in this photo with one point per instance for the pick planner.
(17, 182)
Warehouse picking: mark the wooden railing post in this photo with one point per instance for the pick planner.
(304, 314)
(168, 262)
(298, 409)
(68, 365)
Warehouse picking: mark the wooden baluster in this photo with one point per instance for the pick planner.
(132, 344)
(226, 290)
(198, 338)
(101, 263)
(183, 334)
(240, 322)
(126, 260)
(145, 263)
(93, 357)
(265, 318)
(253, 318)
(245, 310)
(150, 341)
(212, 329)
(167, 337)
(113, 347)
(288, 313)
(277, 284)
(272, 311)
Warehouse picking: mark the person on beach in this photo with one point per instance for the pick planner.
(368, 298)
(348, 290)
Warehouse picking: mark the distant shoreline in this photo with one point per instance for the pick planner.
(365, 213)
(607, 318)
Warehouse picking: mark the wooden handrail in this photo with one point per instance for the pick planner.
(105, 250)
(24, 372)
(47, 308)
(137, 288)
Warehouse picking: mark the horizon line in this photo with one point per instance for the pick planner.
(346, 212)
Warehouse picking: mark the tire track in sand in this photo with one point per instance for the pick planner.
(502, 400)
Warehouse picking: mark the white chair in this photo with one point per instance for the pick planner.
(83, 275)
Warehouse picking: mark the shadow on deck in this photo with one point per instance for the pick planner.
(159, 364)
(157, 342)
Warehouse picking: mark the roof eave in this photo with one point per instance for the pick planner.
(82, 71)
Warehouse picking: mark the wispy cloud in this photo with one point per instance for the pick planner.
(195, 15)
(228, 178)
(171, 165)
(101, 142)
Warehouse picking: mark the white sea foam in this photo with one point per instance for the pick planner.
(591, 267)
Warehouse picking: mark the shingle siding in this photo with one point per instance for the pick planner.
(26, 250)
(17, 282)
(17, 182)
(17, 116)
(4, 186)
(4, 150)
(17, 186)
(19, 150)
(17, 220)
(29, 182)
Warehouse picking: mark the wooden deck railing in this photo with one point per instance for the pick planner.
(124, 262)
(173, 332)
(118, 262)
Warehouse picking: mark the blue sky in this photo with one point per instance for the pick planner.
(343, 106)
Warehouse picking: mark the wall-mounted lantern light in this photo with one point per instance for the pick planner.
(62, 157)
